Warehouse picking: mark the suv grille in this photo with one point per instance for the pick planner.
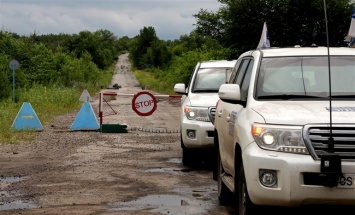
(212, 113)
(316, 138)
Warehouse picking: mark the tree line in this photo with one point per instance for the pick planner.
(235, 28)
(75, 60)
(60, 60)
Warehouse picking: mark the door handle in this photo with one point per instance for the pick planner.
(219, 114)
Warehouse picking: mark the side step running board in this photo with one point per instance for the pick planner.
(228, 181)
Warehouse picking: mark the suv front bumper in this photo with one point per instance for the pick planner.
(291, 189)
(204, 132)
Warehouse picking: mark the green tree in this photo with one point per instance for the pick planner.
(106, 50)
(123, 43)
(238, 23)
(5, 81)
(41, 64)
(101, 45)
(158, 54)
(53, 41)
(140, 45)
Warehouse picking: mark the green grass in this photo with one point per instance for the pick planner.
(47, 102)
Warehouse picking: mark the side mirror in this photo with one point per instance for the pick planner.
(229, 92)
(180, 88)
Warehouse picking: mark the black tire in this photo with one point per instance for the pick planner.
(186, 154)
(245, 206)
(215, 154)
(224, 194)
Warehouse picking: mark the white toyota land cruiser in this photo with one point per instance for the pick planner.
(285, 131)
(199, 100)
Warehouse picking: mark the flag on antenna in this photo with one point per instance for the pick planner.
(264, 40)
(352, 25)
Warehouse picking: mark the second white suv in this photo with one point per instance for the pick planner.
(199, 101)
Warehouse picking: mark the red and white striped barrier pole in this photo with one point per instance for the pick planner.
(127, 94)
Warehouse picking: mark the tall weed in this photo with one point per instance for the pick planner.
(45, 101)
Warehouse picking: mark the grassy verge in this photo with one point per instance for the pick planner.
(47, 102)
(148, 79)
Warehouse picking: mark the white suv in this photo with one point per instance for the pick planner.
(280, 138)
(198, 102)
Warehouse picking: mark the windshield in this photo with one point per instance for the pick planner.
(306, 76)
(210, 79)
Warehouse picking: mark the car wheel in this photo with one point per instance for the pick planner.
(246, 207)
(186, 156)
(224, 194)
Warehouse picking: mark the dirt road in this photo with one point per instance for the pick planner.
(90, 172)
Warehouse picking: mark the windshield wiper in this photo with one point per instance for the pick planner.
(289, 96)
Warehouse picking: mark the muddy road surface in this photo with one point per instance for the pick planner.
(91, 172)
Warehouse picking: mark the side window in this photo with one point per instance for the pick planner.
(234, 72)
(192, 76)
(246, 81)
(241, 71)
(241, 76)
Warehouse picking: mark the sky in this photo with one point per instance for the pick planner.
(169, 18)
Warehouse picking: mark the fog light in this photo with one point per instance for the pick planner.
(191, 134)
(268, 178)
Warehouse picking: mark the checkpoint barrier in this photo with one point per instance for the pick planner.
(143, 103)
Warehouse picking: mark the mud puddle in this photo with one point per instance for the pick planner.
(5, 196)
(187, 201)
(164, 204)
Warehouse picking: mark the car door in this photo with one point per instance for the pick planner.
(230, 111)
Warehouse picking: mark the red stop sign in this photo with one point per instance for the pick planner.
(144, 103)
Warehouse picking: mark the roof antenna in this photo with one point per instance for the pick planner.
(331, 139)
(314, 34)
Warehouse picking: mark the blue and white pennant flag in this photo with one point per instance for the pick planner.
(264, 40)
(352, 25)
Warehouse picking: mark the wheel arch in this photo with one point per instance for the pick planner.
(181, 140)
(215, 155)
(237, 164)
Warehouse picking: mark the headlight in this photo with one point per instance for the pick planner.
(279, 138)
(199, 114)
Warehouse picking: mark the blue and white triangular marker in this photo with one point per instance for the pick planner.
(86, 119)
(27, 119)
(85, 96)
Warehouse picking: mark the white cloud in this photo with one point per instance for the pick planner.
(170, 18)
